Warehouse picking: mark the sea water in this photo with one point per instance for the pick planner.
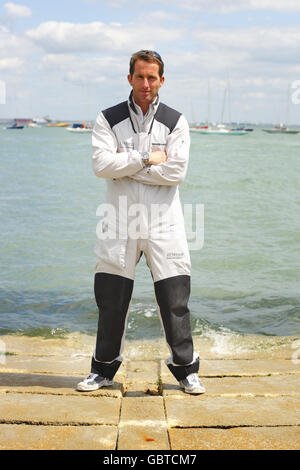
(245, 277)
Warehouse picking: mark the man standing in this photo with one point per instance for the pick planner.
(141, 148)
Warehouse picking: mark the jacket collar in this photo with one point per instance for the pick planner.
(132, 104)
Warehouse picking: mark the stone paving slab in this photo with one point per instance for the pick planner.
(209, 346)
(142, 378)
(226, 386)
(240, 368)
(211, 368)
(25, 437)
(52, 365)
(264, 438)
(275, 385)
(200, 411)
(142, 424)
(141, 389)
(237, 346)
(73, 343)
(250, 381)
(49, 409)
(247, 367)
(219, 346)
(52, 384)
(47, 364)
(141, 371)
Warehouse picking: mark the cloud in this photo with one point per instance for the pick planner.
(17, 11)
(80, 70)
(111, 3)
(18, 57)
(157, 16)
(226, 6)
(62, 37)
(15, 45)
(263, 45)
(10, 63)
(60, 61)
(219, 6)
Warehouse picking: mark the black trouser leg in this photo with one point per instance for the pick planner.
(172, 296)
(113, 295)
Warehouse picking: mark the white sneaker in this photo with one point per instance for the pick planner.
(192, 384)
(93, 382)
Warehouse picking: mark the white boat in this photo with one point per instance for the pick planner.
(81, 127)
(218, 130)
(39, 122)
(33, 124)
(281, 129)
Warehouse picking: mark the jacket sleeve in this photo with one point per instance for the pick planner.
(173, 171)
(106, 162)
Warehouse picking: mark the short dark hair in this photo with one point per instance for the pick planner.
(147, 56)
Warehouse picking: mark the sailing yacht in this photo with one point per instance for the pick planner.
(219, 129)
(283, 128)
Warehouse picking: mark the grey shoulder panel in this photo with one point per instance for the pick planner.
(117, 113)
(167, 116)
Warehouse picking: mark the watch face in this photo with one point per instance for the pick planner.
(145, 157)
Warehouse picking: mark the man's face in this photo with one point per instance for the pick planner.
(145, 83)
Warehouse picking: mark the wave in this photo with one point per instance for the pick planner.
(48, 313)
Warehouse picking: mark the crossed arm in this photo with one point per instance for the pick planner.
(166, 168)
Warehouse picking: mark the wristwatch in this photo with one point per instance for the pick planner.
(145, 158)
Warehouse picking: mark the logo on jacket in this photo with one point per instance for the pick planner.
(173, 255)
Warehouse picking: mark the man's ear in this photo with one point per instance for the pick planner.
(129, 79)
(162, 80)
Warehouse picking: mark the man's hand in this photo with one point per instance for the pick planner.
(157, 157)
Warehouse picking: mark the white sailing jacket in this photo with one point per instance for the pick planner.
(121, 133)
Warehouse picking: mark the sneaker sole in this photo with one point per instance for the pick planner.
(92, 388)
(194, 391)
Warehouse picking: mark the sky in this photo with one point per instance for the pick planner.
(231, 60)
